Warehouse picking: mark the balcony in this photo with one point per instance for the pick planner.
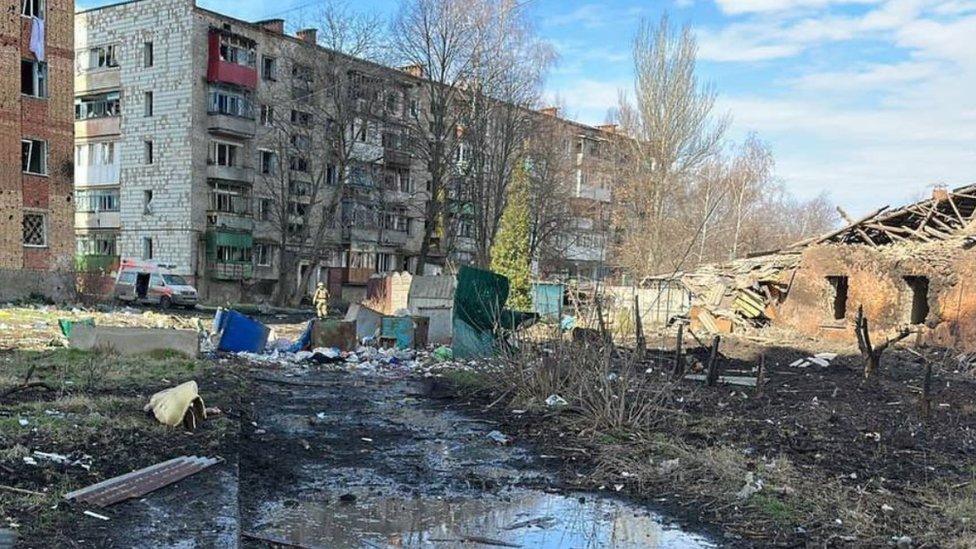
(230, 173)
(226, 270)
(96, 263)
(98, 80)
(353, 234)
(230, 72)
(98, 127)
(390, 237)
(593, 193)
(97, 220)
(230, 221)
(228, 124)
(396, 157)
(105, 174)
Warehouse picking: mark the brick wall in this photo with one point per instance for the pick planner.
(49, 119)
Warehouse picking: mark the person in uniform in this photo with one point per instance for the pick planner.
(321, 300)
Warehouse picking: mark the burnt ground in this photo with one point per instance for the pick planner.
(844, 461)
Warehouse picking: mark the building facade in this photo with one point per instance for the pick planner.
(199, 146)
(36, 135)
(180, 114)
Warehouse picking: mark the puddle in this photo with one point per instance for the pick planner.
(522, 518)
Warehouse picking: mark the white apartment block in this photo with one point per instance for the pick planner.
(168, 105)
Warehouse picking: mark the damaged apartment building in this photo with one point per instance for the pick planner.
(36, 134)
(912, 267)
(176, 109)
(178, 147)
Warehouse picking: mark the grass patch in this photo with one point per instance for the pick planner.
(774, 508)
(468, 381)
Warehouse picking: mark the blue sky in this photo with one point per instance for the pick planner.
(873, 101)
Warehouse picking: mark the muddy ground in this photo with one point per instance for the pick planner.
(312, 457)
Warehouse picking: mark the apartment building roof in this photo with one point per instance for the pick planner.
(258, 26)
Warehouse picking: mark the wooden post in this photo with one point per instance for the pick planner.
(872, 354)
(711, 377)
(602, 325)
(761, 375)
(925, 403)
(679, 359)
(641, 344)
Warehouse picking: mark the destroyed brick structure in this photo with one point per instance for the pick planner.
(910, 267)
(36, 133)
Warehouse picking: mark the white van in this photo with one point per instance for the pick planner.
(151, 284)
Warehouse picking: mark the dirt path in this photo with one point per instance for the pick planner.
(352, 461)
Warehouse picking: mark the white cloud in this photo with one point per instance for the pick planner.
(736, 7)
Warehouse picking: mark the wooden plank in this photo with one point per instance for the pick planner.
(955, 209)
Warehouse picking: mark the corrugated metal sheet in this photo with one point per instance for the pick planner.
(141, 482)
(432, 287)
(7, 538)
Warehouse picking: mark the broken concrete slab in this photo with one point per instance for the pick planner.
(126, 340)
(141, 482)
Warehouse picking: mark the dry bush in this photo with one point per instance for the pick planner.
(612, 393)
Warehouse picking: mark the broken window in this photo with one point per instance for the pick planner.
(33, 156)
(32, 8)
(147, 54)
(839, 284)
(919, 286)
(103, 57)
(33, 78)
(97, 106)
(147, 247)
(224, 154)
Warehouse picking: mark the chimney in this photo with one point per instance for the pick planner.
(551, 111)
(940, 193)
(608, 128)
(274, 25)
(307, 35)
(416, 70)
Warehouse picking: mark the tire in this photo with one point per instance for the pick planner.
(165, 302)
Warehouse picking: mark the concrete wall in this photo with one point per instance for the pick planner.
(875, 280)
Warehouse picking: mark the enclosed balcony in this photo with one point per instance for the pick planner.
(230, 209)
(229, 255)
(98, 115)
(232, 60)
(230, 113)
(97, 208)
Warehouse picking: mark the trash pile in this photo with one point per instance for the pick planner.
(364, 360)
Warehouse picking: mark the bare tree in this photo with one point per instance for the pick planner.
(550, 169)
(673, 134)
(750, 172)
(321, 128)
(436, 39)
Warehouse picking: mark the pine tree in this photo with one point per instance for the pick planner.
(510, 252)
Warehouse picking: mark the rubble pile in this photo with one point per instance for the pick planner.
(365, 360)
(741, 294)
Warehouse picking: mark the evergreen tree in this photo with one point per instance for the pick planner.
(510, 253)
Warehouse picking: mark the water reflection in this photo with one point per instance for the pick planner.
(521, 518)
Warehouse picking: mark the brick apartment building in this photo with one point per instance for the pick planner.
(36, 136)
(172, 103)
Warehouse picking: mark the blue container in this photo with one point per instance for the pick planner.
(547, 300)
(399, 328)
(239, 332)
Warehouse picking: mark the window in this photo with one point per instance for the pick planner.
(35, 230)
(224, 154)
(262, 255)
(147, 247)
(147, 54)
(331, 175)
(233, 254)
(33, 156)
(298, 163)
(301, 118)
(33, 78)
(95, 154)
(148, 151)
(268, 67)
(359, 130)
(97, 106)
(269, 162)
(302, 73)
(839, 285)
(919, 287)
(97, 200)
(103, 57)
(264, 209)
(298, 188)
(97, 244)
(148, 104)
(224, 101)
(32, 8)
(229, 199)
(301, 142)
(267, 115)
(147, 198)
(237, 49)
(413, 107)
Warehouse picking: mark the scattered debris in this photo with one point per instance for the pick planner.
(95, 515)
(752, 486)
(499, 437)
(556, 400)
(176, 405)
(820, 359)
(141, 482)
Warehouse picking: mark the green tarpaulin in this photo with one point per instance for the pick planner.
(480, 319)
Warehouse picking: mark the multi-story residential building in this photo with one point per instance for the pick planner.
(36, 194)
(179, 114)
